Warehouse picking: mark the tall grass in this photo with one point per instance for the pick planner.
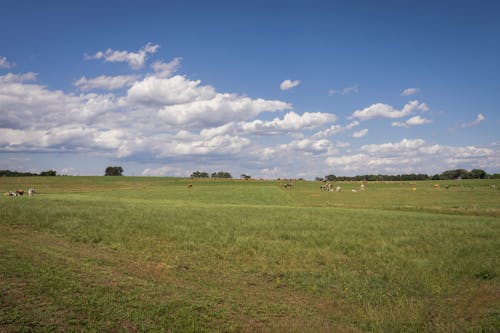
(103, 253)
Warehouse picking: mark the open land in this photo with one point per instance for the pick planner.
(152, 254)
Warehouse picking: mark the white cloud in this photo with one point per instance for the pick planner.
(410, 91)
(413, 121)
(17, 78)
(344, 91)
(166, 118)
(412, 156)
(4, 63)
(135, 60)
(28, 105)
(380, 110)
(146, 120)
(217, 145)
(163, 69)
(289, 84)
(270, 172)
(361, 133)
(105, 82)
(166, 170)
(216, 111)
(335, 129)
(310, 146)
(290, 122)
(159, 91)
(404, 145)
(479, 118)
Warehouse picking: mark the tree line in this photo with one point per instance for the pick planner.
(446, 175)
(203, 174)
(9, 173)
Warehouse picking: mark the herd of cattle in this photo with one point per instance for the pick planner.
(329, 188)
(18, 193)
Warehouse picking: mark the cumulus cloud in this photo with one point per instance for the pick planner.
(145, 120)
(135, 60)
(289, 84)
(360, 134)
(158, 91)
(479, 118)
(380, 110)
(162, 117)
(310, 146)
(413, 121)
(413, 155)
(105, 82)
(166, 69)
(17, 78)
(290, 122)
(28, 105)
(410, 91)
(4, 63)
(404, 145)
(218, 110)
(335, 129)
(344, 91)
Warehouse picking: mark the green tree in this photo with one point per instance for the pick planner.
(478, 173)
(221, 174)
(48, 173)
(455, 174)
(198, 174)
(113, 171)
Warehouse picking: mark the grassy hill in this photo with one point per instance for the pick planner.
(152, 254)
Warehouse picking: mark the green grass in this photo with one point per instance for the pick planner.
(151, 254)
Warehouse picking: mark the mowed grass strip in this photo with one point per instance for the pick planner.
(148, 254)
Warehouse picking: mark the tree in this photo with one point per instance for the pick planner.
(455, 174)
(245, 176)
(114, 171)
(198, 174)
(478, 173)
(221, 174)
(48, 173)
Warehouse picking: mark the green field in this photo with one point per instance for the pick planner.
(150, 254)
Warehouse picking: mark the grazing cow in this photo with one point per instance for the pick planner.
(190, 185)
(362, 187)
(287, 185)
(20, 192)
(326, 187)
(493, 186)
(436, 185)
(354, 190)
(337, 189)
(31, 192)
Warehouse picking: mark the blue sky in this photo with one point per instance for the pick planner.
(268, 88)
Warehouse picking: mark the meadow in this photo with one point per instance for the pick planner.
(154, 255)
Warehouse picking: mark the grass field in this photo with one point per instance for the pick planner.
(150, 254)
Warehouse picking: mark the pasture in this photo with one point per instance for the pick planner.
(152, 254)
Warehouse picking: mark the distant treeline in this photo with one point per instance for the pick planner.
(446, 175)
(203, 174)
(9, 173)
